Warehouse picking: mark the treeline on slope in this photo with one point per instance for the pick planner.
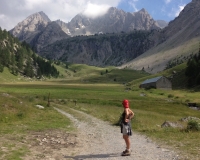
(20, 59)
(193, 70)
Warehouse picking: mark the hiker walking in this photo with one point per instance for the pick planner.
(126, 126)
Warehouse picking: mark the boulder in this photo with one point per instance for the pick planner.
(171, 124)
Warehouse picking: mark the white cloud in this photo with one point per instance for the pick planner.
(18, 10)
(167, 1)
(180, 8)
(176, 11)
(5, 20)
(94, 10)
(132, 3)
(31, 4)
(2, 16)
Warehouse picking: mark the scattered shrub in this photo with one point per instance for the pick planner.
(170, 96)
(63, 101)
(31, 99)
(44, 98)
(20, 115)
(193, 126)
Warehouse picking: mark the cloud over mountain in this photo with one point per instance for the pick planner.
(12, 12)
(55, 9)
(94, 10)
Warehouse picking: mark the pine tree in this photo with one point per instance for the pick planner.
(29, 69)
(193, 70)
(20, 58)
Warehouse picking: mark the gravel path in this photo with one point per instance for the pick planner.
(100, 141)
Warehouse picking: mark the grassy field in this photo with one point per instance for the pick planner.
(19, 118)
(95, 92)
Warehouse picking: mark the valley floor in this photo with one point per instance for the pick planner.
(93, 139)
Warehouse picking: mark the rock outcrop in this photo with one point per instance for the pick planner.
(114, 21)
(32, 25)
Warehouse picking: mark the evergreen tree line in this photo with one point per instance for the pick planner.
(20, 59)
(193, 70)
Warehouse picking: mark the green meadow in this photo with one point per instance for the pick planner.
(99, 92)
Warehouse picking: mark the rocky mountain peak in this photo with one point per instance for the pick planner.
(143, 11)
(64, 26)
(115, 10)
(31, 25)
(143, 21)
(143, 14)
(115, 20)
(51, 33)
(36, 18)
(39, 31)
(44, 16)
(115, 13)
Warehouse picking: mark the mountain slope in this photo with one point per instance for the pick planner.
(178, 41)
(187, 24)
(50, 34)
(162, 24)
(100, 50)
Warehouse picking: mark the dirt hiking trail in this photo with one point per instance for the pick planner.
(98, 140)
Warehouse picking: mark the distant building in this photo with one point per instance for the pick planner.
(157, 82)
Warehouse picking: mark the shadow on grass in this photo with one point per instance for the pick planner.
(93, 156)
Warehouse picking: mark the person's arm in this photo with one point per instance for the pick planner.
(126, 115)
(131, 114)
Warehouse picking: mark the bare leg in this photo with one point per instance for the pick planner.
(127, 141)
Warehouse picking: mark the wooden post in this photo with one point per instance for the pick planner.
(48, 105)
(75, 102)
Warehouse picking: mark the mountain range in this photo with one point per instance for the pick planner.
(119, 38)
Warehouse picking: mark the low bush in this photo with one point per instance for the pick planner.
(170, 96)
(193, 126)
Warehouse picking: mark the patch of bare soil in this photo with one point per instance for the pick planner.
(45, 145)
(51, 145)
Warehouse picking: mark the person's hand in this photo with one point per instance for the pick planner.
(127, 120)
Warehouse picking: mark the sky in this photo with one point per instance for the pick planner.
(14, 11)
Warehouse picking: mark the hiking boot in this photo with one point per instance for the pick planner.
(126, 153)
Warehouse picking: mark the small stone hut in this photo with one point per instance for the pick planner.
(160, 82)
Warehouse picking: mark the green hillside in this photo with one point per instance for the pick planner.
(21, 60)
(91, 74)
